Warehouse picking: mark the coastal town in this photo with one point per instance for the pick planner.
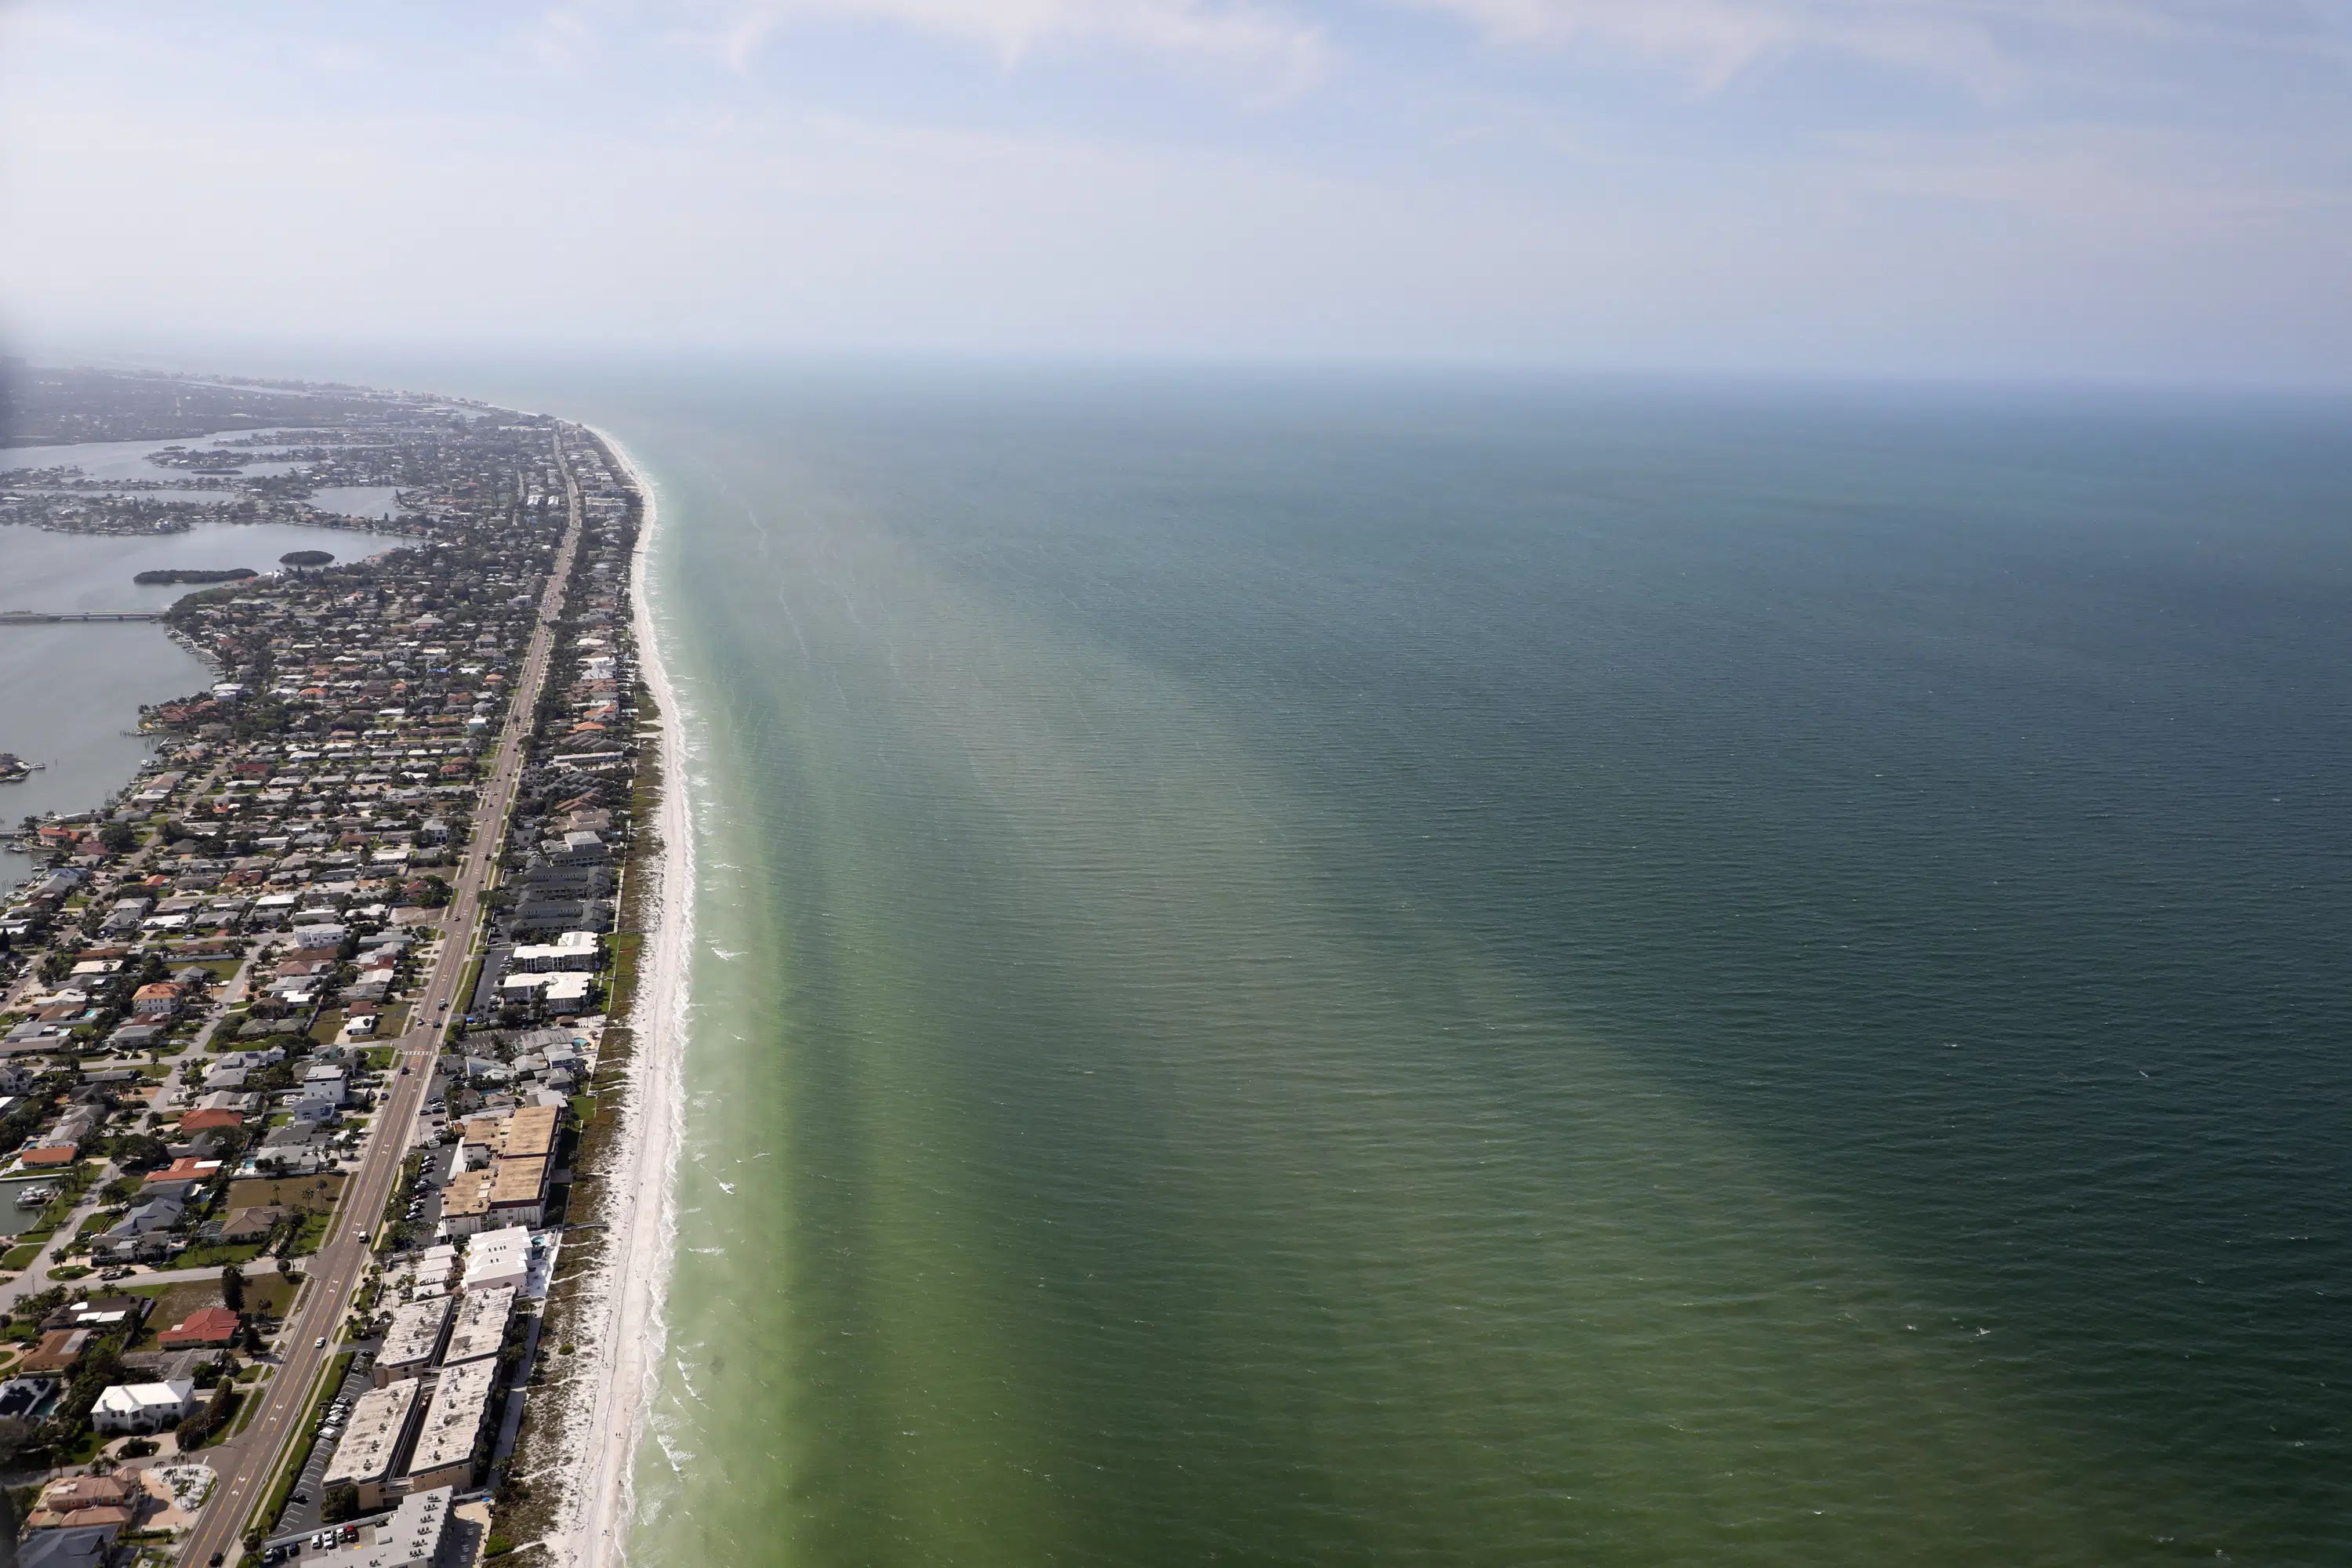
(313, 1037)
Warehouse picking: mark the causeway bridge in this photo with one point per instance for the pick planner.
(48, 618)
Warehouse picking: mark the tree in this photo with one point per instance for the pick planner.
(141, 1152)
(342, 1502)
(232, 1288)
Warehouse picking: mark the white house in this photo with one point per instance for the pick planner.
(144, 1406)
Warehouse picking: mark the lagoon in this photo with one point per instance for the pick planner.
(70, 695)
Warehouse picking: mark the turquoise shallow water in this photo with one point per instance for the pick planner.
(1478, 973)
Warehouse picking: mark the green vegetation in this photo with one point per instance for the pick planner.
(215, 1253)
(195, 574)
(210, 1424)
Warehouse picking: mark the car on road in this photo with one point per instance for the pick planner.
(320, 1344)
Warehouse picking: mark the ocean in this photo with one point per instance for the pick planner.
(1302, 970)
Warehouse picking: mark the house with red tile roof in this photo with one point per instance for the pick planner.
(211, 1326)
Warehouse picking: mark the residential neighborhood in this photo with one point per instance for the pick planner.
(217, 986)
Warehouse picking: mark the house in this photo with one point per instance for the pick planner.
(59, 1349)
(82, 1503)
(144, 1406)
(311, 1106)
(327, 1080)
(498, 1258)
(313, 939)
(200, 1120)
(136, 1036)
(212, 1328)
(37, 1035)
(76, 1493)
(181, 1177)
(49, 1157)
(251, 1224)
(159, 999)
(82, 1546)
(161, 1212)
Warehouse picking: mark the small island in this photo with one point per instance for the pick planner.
(306, 558)
(196, 575)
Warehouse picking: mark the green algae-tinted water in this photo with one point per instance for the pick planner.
(1292, 973)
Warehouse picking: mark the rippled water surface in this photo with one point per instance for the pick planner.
(1305, 973)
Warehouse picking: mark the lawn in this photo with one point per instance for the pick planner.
(216, 1253)
(264, 1294)
(316, 1194)
(312, 1236)
(330, 1022)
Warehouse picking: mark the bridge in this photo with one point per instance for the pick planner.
(45, 618)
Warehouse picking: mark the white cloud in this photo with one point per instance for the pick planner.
(1263, 40)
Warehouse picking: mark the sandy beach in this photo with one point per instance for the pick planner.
(626, 1307)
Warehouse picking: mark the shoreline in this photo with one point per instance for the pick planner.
(641, 1212)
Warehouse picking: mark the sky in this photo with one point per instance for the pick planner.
(2101, 189)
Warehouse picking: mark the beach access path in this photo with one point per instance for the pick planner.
(248, 1463)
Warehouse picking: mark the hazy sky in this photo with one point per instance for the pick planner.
(2092, 187)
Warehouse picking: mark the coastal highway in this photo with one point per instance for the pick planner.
(247, 1465)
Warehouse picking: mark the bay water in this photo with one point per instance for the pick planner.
(70, 693)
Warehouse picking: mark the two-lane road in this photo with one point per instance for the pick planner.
(248, 1466)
